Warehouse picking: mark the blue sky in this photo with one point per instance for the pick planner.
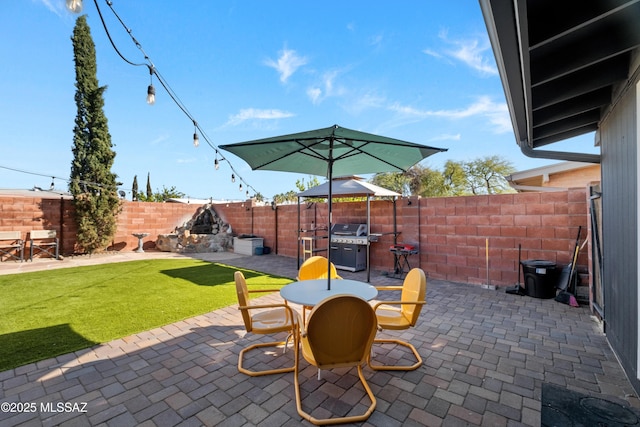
(422, 71)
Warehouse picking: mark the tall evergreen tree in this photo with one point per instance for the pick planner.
(134, 188)
(149, 190)
(92, 185)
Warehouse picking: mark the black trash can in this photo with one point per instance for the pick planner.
(539, 278)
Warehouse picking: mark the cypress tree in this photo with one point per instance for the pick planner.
(134, 188)
(149, 190)
(92, 183)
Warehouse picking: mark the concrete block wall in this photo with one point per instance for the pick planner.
(451, 233)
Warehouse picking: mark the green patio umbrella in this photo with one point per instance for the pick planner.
(329, 152)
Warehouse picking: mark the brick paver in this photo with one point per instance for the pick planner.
(486, 355)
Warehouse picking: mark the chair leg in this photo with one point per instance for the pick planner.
(268, 371)
(338, 420)
(396, 367)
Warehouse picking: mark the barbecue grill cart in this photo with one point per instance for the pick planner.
(350, 243)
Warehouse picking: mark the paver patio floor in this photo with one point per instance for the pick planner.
(486, 355)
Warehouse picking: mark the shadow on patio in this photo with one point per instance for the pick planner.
(486, 357)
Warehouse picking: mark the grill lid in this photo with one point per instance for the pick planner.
(349, 229)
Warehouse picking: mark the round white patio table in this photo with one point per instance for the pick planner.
(310, 292)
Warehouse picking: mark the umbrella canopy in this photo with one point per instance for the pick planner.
(331, 151)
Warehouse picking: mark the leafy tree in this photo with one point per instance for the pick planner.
(455, 179)
(134, 188)
(289, 196)
(479, 176)
(313, 182)
(486, 175)
(161, 196)
(92, 183)
(394, 181)
(292, 196)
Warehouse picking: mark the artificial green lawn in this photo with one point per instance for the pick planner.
(47, 313)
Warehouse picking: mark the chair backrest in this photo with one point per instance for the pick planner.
(10, 235)
(243, 299)
(340, 331)
(414, 288)
(316, 268)
(42, 234)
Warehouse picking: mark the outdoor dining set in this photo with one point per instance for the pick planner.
(340, 329)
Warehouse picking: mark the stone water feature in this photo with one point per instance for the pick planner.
(204, 232)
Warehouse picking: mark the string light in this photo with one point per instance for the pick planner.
(74, 6)
(233, 178)
(151, 91)
(196, 140)
(240, 188)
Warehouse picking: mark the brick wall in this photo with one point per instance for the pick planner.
(451, 233)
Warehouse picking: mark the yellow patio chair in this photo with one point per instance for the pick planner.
(339, 334)
(278, 318)
(316, 268)
(402, 314)
(313, 268)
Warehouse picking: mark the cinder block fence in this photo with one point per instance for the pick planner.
(454, 235)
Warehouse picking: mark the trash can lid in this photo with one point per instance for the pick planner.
(538, 263)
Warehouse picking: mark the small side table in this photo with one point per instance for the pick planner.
(140, 236)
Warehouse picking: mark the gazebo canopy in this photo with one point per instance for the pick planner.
(348, 186)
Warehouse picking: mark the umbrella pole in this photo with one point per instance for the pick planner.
(330, 213)
(368, 236)
(299, 241)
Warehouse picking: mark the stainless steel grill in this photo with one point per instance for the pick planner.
(348, 246)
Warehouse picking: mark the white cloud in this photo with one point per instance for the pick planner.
(446, 137)
(56, 8)
(433, 53)
(160, 139)
(496, 113)
(471, 52)
(325, 88)
(314, 93)
(364, 102)
(376, 40)
(257, 114)
(184, 161)
(287, 63)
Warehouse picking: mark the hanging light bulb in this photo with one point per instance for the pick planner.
(151, 95)
(196, 140)
(74, 6)
(216, 163)
(240, 188)
(151, 91)
(233, 178)
(247, 193)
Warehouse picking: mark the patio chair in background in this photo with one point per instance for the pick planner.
(11, 245)
(316, 268)
(339, 334)
(401, 314)
(268, 319)
(43, 242)
(313, 268)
